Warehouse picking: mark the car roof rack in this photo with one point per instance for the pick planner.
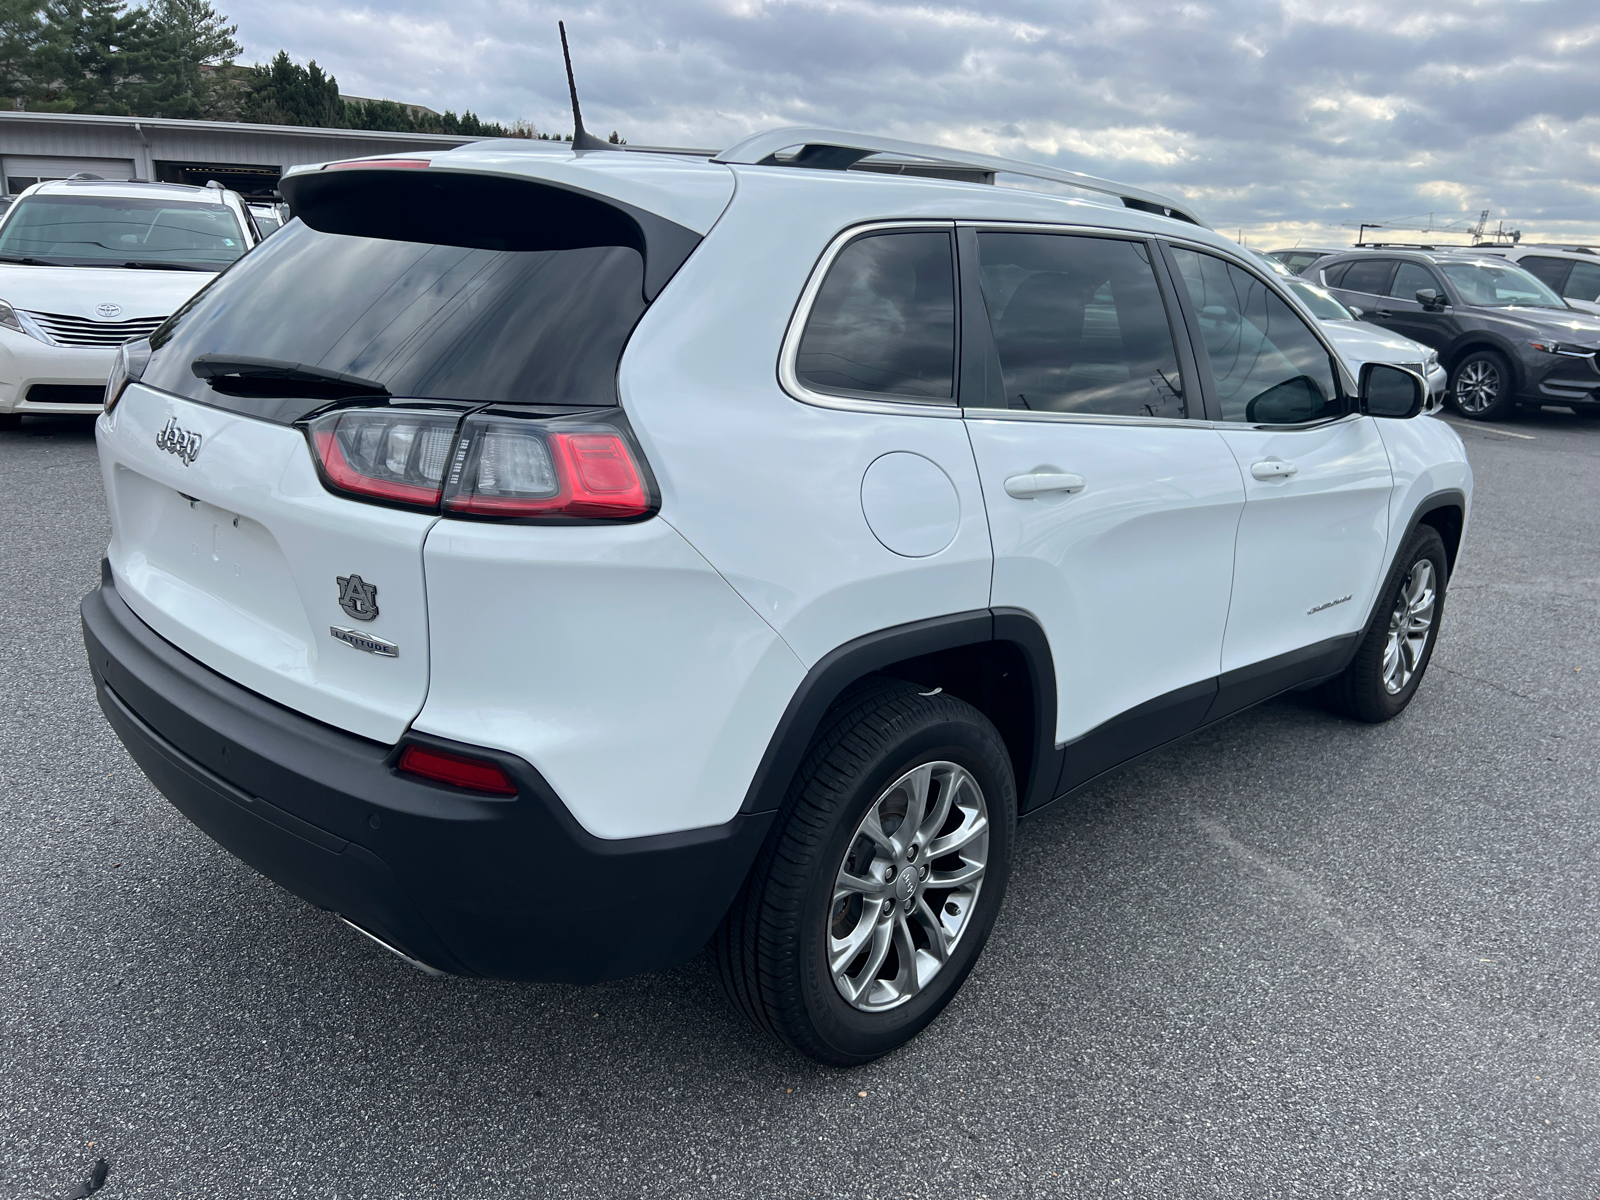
(835, 150)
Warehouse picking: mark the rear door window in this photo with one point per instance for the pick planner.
(1266, 364)
(1080, 325)
(883, 324)
(1583, 283)
(1547, 269)
(1370, 276)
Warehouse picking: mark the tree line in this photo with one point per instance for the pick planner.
(175, 58)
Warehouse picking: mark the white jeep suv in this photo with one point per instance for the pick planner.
(553, 562)
(86, 265)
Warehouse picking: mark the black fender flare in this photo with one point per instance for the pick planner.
(839, 668)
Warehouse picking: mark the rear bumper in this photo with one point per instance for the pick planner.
(507, 889)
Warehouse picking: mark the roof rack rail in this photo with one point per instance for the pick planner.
(835, 150)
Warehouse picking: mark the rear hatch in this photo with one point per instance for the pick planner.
(399, 290)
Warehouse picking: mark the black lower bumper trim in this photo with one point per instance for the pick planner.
(509, 889)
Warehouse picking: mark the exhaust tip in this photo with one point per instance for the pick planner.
(404, 957)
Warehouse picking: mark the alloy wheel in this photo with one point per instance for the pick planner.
(1410, 624)
(908, 886)
(1478, 386)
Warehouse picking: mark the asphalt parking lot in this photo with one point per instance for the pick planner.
(1292, 956)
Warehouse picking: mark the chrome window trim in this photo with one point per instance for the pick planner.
(789, 377)
(1018, 414)
(1060, 418)
(998, 225)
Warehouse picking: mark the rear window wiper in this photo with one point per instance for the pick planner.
(240, 375)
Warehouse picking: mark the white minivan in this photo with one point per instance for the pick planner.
(553, 562)
(87, 264)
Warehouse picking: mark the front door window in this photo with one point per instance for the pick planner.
(1266, 364)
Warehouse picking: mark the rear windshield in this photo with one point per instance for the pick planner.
(99, 231)
(423, 321)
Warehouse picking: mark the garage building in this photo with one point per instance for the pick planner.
(246, 158)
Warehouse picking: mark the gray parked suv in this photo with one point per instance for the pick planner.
(1506, 338)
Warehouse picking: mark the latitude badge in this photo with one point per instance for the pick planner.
(357, 597)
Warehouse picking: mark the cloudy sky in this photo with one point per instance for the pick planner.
(1281, 117)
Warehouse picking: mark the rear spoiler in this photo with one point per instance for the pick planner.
(410, 200)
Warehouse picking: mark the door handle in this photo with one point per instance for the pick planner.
(1384, 312)
(1272, 468)
(1026, 487)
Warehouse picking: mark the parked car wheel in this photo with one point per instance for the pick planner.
(1481, 386)
(1394, 653)
(876, 894)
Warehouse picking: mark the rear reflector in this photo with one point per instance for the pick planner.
(384, 163)
(474, 774)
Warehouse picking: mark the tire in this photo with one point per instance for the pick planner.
(1376, 687)
(1482, 387)
(10, 422)
(879, 746)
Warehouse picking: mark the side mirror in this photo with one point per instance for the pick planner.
(1287, 403)
(1430, 299)
(1391, 391)
(1357, 312)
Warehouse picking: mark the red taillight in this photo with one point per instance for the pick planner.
(512, 468)
(385, 163)
(497, 467)
(474, 774)
(397, 456)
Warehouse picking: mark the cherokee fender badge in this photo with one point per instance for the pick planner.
(357, 597)
(175, 439)
(364, 641)
(1316, 608)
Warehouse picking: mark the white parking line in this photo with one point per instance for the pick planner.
(1527, 437)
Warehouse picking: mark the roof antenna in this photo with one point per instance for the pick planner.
(582, 139)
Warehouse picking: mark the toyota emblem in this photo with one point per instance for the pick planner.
(107, 312)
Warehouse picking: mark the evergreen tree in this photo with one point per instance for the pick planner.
(285, 93)
(22, 36)
(167, 44)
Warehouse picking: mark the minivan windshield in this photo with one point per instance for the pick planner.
(1499, 285)
(107, 231)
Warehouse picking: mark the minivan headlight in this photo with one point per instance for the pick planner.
(9, 319)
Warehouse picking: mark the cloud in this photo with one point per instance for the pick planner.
(1291, 115)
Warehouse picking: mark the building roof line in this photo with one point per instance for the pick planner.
(146, 125)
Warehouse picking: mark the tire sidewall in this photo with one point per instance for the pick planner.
(848, 1032)
(1419, 547)
(1504, 403)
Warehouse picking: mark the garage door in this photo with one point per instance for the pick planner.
(20, 172)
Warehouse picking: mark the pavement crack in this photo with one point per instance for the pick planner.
(1499, 687)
